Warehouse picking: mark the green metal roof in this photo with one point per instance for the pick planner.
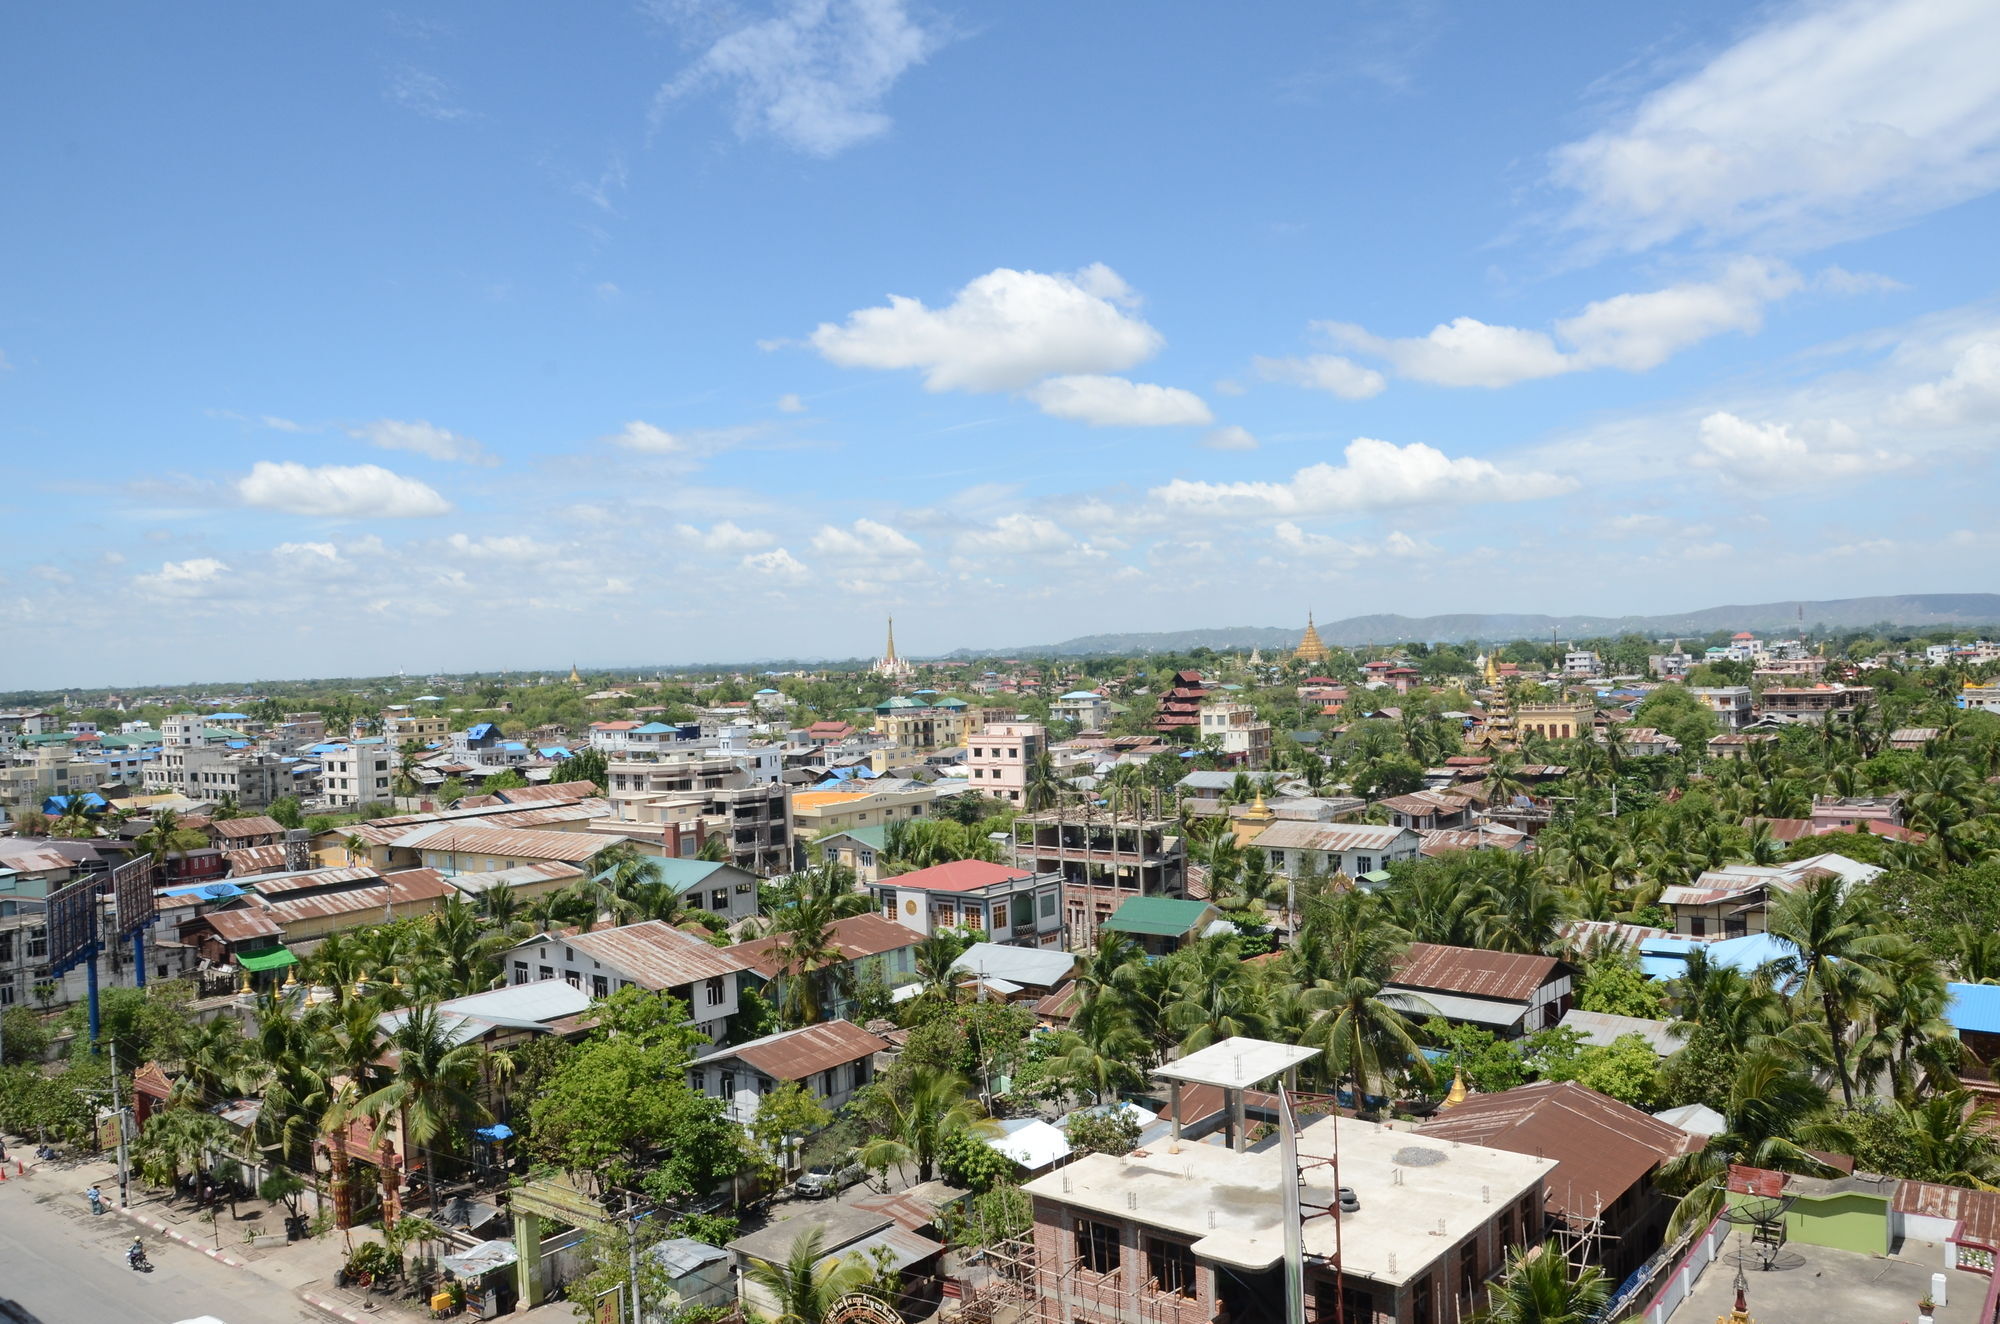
(875, 838)
(275, 959)
(1158, 916)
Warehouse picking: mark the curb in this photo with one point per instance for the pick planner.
(326, 1307)
(174, 1234)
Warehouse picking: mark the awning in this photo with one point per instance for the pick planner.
(275, 959)
(481, 1259)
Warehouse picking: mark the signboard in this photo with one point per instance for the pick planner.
(610, 1306)
(72, 924)
(132, 886)
(554, 1198)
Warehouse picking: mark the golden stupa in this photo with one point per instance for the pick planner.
(1310, 650)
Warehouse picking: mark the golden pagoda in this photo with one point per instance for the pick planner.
(1250, 824)
(1310, 651)
(575, 676)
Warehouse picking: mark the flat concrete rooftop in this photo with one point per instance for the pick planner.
(1236, 1064)
(1817, 1283)
(1418, 1197)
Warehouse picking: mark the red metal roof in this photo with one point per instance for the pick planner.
(957, 876)
(798, 1054)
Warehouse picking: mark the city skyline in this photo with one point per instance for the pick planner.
(341, 342)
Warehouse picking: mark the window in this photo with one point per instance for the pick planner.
(1097, 1246)
(712, 990)
(520, 972)
(1364, 864)
(1468, 1270)
(728, 1084)
(1420, 1302)
(1048, 905)
(545, 972)
(1170, 1266)
(600, 987)
(1530, 1225)
(860, 1073)
(718, 901)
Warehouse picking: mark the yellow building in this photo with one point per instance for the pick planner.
(816, 813)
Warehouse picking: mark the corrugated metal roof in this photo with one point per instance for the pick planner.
(241, 925)
(404, 888)
(278, 884)
(797, 1054)
(469, 840)
(1158, 916)
(957, 876)
(1602, 1147)
(1474, 971)
(1978, 1211)
(259, 826)
(655, 955)
(1289, 834)
(855, 938)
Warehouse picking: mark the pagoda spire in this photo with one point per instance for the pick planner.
(889, 653)
(1310, 650)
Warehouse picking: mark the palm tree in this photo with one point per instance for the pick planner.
(1537, 1288)
(432, 1088)
(165, 836)
(1044, 786)
(1216, 996)
(1769, 1099)
(916, 1126)
(806, 1290)
(1836, 934)
(1361, 1033)
(813, 969)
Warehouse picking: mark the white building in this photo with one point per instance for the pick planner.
(650, 955)
(1355, 849)
(357, 773)
(831, 1061)
(1242, 737)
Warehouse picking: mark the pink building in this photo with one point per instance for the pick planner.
(999, 754)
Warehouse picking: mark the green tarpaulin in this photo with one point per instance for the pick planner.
(275, 959)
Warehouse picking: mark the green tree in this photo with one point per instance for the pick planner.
(432, 1087)
(912, 1123)
(1836, 935)
(1538, 1287)
(1096, 1132)
(809, 1282)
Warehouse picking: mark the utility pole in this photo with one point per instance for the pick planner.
(632, 1259)
(118, 1114)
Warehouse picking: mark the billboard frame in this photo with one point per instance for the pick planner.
(132, 888)
(70, 920)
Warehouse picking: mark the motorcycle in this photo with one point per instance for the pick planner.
(136, 1257)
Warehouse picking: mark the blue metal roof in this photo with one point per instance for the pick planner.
(653, 729)
(230, 717)
(1666, 958)
(678, 874)
(1973, 1007)
(481, 731)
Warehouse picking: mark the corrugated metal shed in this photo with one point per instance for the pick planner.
(1602, 1147)
(656, 955)
(1475, 971)
(798, 1054)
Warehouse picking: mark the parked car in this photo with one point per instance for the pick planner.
(822, 1180)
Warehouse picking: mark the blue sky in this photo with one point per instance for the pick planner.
(494, 335)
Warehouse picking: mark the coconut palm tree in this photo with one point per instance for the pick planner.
(1537, 1287)
(432, 1087)
(1769, 1100)
(1216, 996)
(813, 970)
(805, 1289)
(915, 1125)
(165, 837)
(1836, 936)
(1361, 1034)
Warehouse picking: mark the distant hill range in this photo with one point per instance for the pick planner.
(1909, 609)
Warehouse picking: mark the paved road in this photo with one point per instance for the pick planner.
(69, 1268)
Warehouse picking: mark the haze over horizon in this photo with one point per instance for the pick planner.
(353, 340)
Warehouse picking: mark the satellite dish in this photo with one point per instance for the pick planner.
(220, 890)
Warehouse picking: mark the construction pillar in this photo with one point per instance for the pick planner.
(528, 1267)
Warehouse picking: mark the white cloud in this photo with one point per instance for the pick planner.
(777, 563)
(865, 541)
(1462, 352)
(357, 491)
(814, 75)
(1115, 402)
(419, 436)
(423, 92)
(1827, 121)
(1969, 393)
(514, 547)
(1396, 545)
(789, 403)
(1004, 330)
(640, 436)
(726, 536)
(1632, 332)
(277, 424)
(1021, 535)
(1323, 372)
(307, 551)
(1376, 474)
(182, 578)
(1230, 437)
(1767, 452)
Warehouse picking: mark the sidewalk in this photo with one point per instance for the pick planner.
(303, 1268)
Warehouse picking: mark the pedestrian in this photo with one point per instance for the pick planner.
(96, 1199)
